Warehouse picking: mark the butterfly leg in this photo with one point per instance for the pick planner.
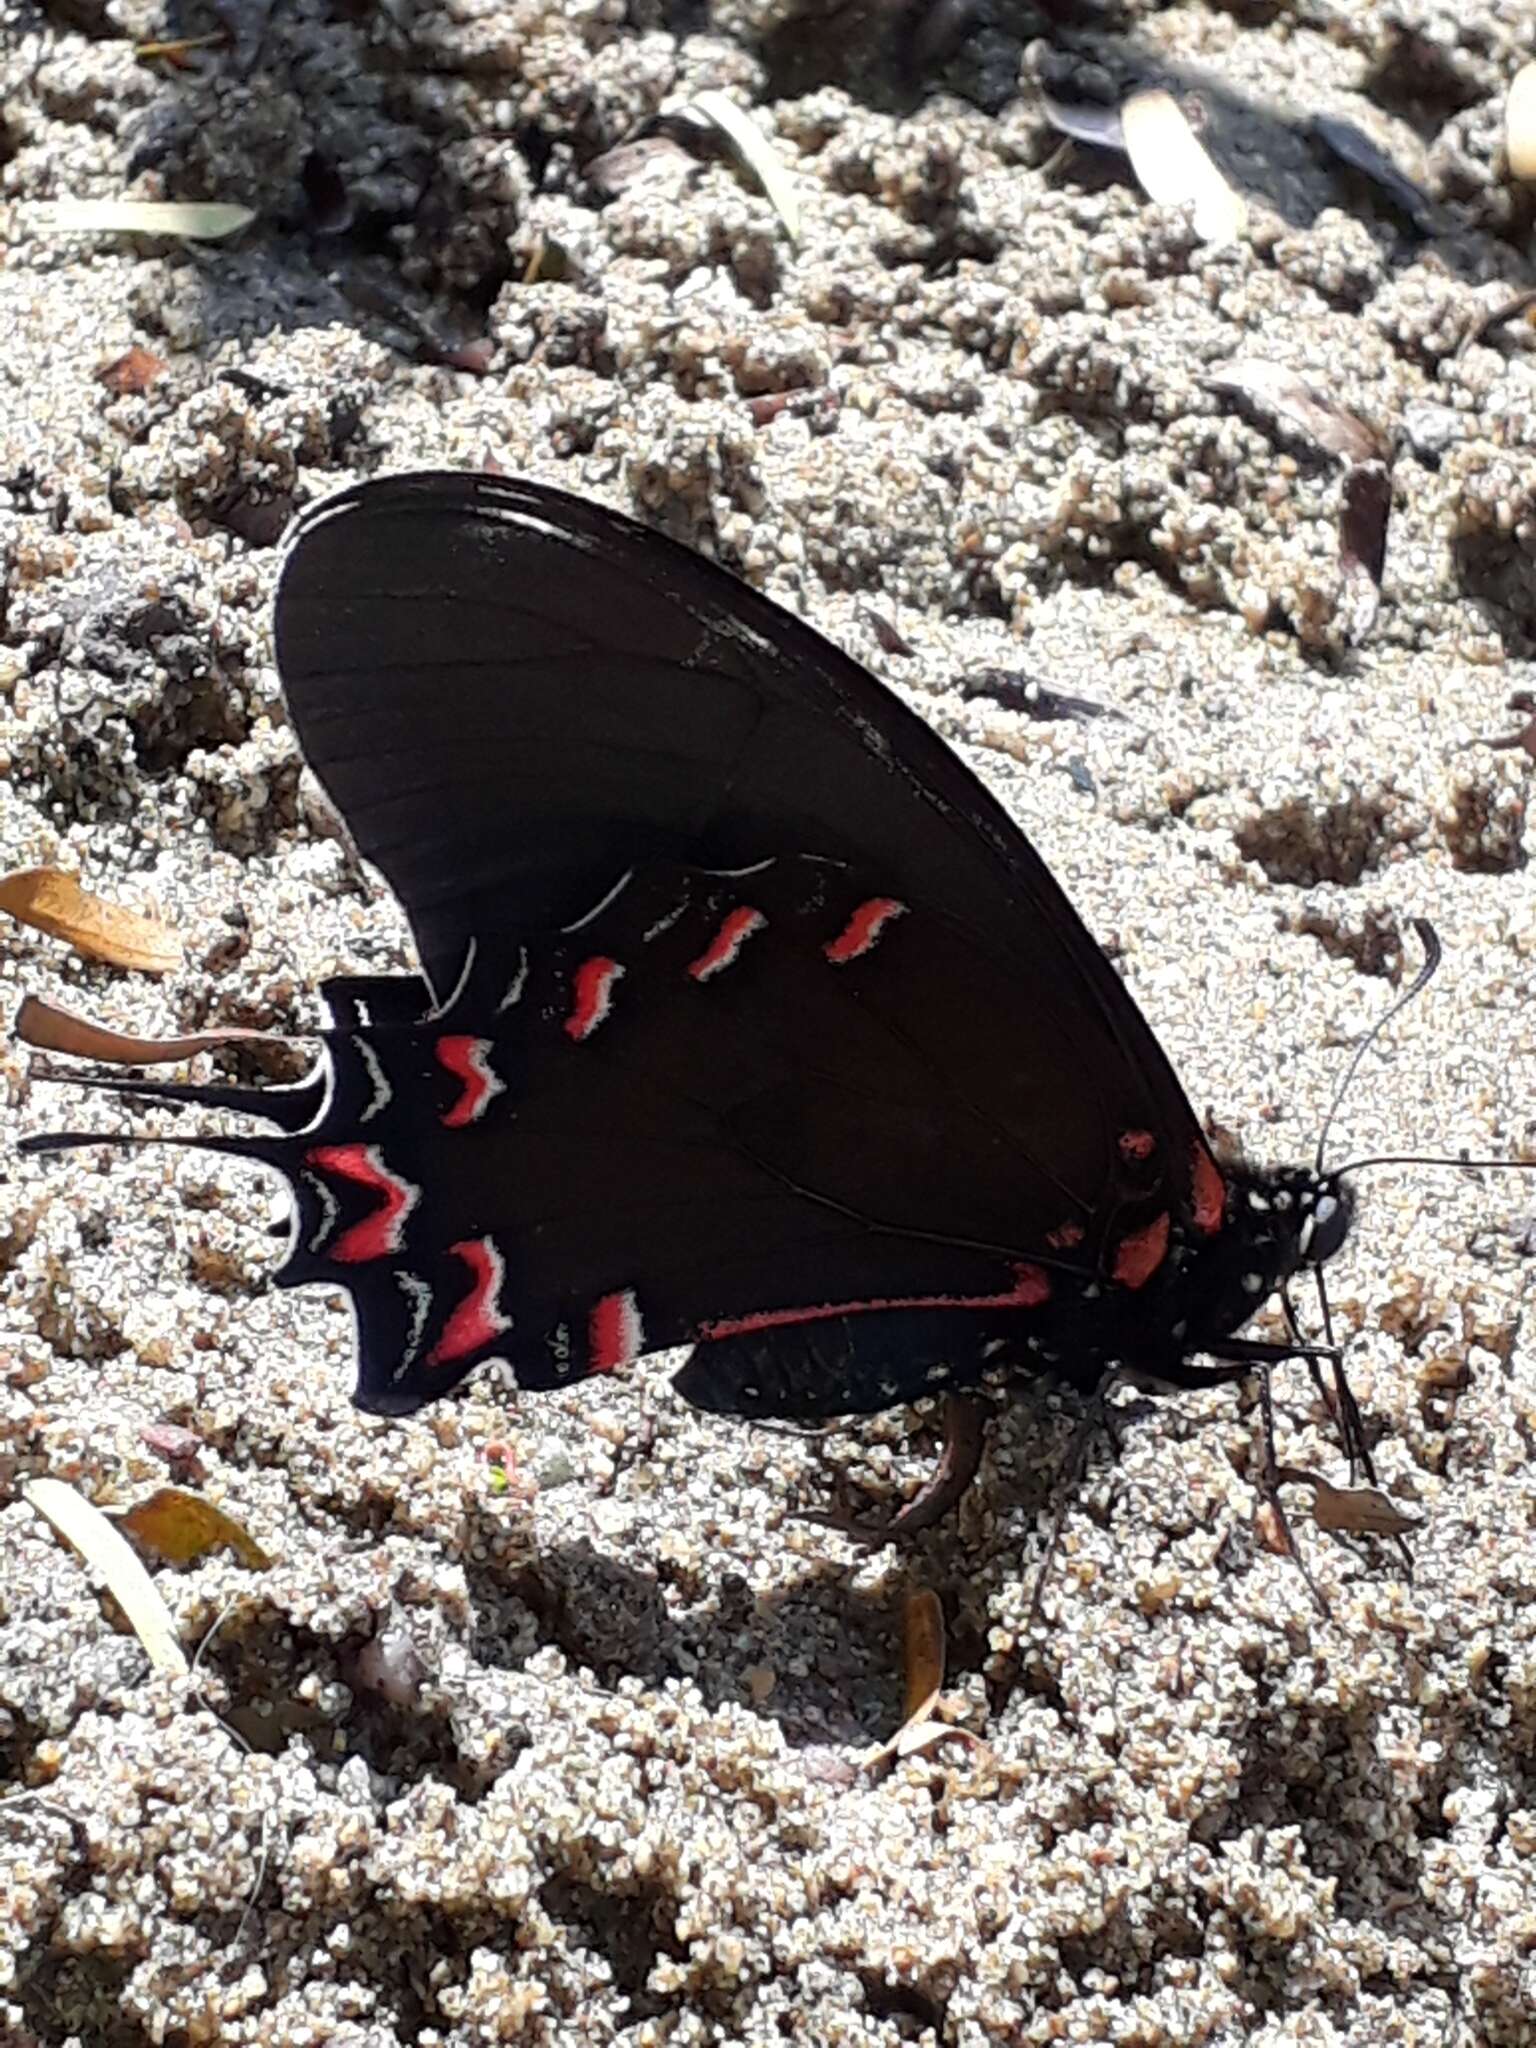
(965, 1418)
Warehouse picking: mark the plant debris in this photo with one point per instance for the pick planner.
(182, 1528)
(1365, 505)
(1088, 121)
(890, 641)
(1174, 168)
(47, 1027)
(1016, 691)
(627, 163)
(131, 374)
(1496, 316)
(1520, 123)
(52, 901)
(1355, 149)
(1349, 1510)
(755, 152)
(104, 1548)
(923, 1656)
(193, 220)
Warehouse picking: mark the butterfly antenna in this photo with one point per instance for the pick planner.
(1429, 939)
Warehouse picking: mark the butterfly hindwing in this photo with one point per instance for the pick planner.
(719, 1106)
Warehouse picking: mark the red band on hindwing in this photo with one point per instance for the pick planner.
(1032, 1286)
(380, 1235)
(478, 1320)
(1210, 1192)
(862, 929)
(615, 1333)
(724, 949)
(1136, 1144)
(469, 1061)
(593, 996)
(1138, 1256)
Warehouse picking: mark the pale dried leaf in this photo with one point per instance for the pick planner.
(47, 1027)
(1173, 168)
(105, 1549)
(192, 220)
(1520, 123)
(756, 153)
(54, 902)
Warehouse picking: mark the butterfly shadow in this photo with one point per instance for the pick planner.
(820, 1654)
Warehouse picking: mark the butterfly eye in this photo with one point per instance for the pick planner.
(1325, 1229)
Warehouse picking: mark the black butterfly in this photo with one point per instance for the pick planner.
(748, 1019)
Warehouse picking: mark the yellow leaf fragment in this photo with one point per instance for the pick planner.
(182, 1527)
(52, 901)
(1173, 168)
(103, 1547)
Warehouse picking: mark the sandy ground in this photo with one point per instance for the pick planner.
(579, 1759)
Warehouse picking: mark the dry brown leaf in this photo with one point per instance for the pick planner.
(131, 374)
(923, 1651)
(1359, 1510)
(1520, 123)
(47, 1027)
(1352, 1510)
(1173, 168)
(54, 902)
(182, 1527)
(87, 1529)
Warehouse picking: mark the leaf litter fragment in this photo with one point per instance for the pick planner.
(1174, 168)
(192, 220)
(923, 1652)
(1350, 1510)
(182, 1528)
(756, 153)
(1355, 149)
(1520, 123)
(1366, 497)
(48, 1028)
(105, 1550)
(52, 901)
(131, 374)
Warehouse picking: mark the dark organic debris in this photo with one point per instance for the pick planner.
(1016, 691)
(1364, 511)
(818, 403)
(891, 642)
(326, 198)
(1496, 316)
(371, 293)
(935, 31)
(1525, 738)
(1366, 496)
(1355, 149)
